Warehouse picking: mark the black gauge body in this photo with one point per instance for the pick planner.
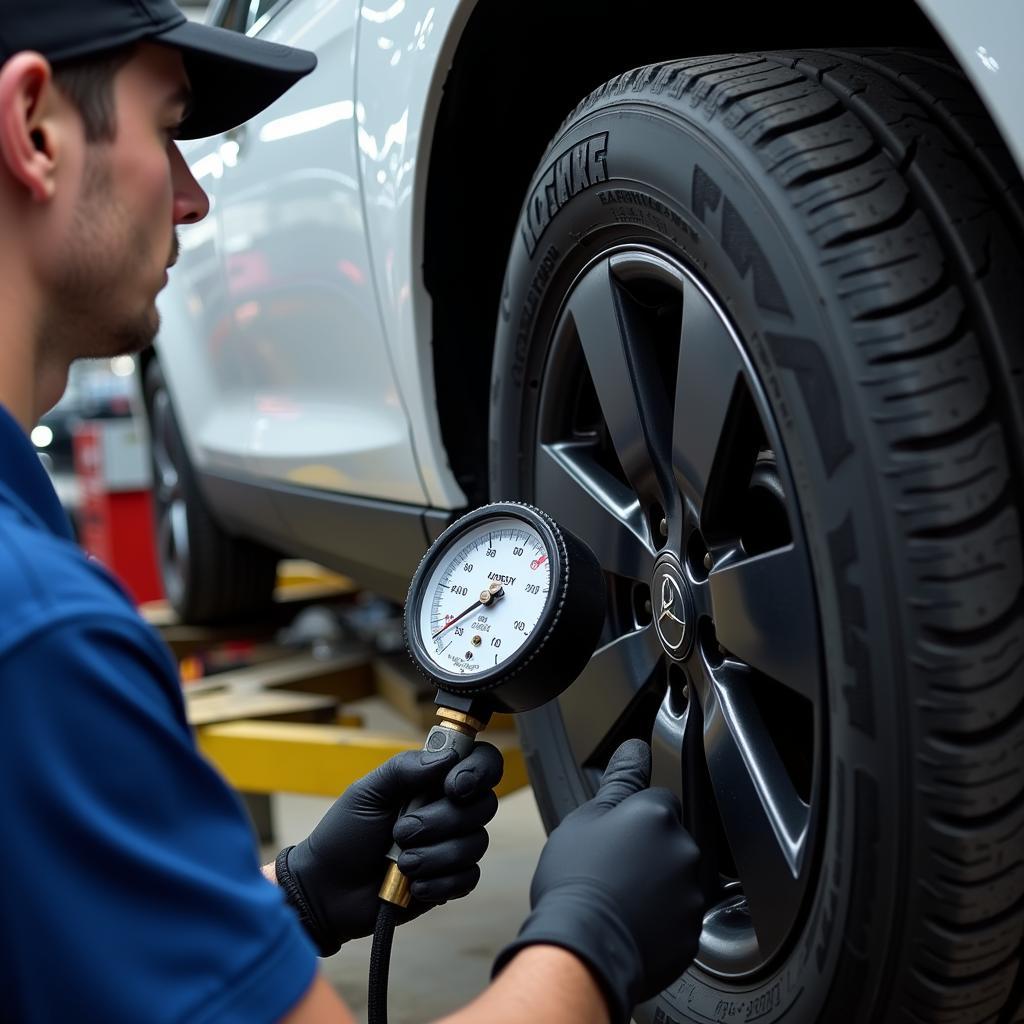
(505, 608)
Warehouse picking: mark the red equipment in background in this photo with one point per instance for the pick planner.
(116, 512)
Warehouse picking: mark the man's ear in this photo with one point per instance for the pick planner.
(28, 140)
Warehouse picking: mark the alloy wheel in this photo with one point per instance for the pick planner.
(657, 446)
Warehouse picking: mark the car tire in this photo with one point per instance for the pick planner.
(208, 575)
(759, 345)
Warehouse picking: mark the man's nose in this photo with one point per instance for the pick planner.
(191, 203)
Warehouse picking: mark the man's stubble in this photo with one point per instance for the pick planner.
(95, 309)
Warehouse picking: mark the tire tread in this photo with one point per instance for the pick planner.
(917, 213)
(915, 210)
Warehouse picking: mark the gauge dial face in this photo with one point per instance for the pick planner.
(465, 632)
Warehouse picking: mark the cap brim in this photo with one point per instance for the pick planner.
(233, 76)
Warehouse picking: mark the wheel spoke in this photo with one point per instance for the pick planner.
(765, 615)
(165, 537)
(679, 765)
(706, 381)
(172, 550)
(596, 507)
(667, 740)
(764, 819)
(604, 690)
(166, 482)
(623, 369)
(177, 517)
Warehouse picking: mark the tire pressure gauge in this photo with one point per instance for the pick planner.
(505, 605)
(503, 613)
(504, 556)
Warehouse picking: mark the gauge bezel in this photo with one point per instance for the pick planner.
(491, 677)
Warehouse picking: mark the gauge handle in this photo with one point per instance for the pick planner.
(455, 730)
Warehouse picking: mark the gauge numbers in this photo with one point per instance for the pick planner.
(485, 596)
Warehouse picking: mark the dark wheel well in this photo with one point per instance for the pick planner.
(513, 80)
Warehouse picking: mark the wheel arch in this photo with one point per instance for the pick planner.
(985, 40)
(525, 75)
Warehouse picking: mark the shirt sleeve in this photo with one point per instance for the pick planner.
(132, 888)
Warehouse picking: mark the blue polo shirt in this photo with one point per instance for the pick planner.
(131, 889)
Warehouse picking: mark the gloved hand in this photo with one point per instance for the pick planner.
(616, 884)
(332, 878)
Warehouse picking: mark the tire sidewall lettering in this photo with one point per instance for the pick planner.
(647, 158)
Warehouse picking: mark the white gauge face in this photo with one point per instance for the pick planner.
(485, 596)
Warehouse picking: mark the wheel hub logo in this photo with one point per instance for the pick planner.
(671, 613)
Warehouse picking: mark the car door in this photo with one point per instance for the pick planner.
(302, 328)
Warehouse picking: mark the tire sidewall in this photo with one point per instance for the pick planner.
(661, 170)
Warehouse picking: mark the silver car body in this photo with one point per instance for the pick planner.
(307, 268)
(296, 333)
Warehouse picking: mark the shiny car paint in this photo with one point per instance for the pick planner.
(296, 333)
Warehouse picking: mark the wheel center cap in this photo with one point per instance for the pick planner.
(673, 608)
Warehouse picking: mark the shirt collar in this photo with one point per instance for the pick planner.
(24, 482)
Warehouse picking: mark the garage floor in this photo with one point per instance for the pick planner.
(440, 961)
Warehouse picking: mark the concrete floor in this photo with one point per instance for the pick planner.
(443, 959)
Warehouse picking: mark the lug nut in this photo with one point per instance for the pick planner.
(663, 527)
(707, 561)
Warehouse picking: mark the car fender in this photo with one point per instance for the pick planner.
(986, 39)
(404, 52)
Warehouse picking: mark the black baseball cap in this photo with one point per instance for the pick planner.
(233, 76)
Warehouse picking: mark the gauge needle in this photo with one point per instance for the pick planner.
(488, 596)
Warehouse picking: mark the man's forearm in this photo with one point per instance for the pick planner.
(544, 985)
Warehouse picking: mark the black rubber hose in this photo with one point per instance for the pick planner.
(380, 962)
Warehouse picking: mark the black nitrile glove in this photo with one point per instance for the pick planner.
(616, 884)
(332, 878)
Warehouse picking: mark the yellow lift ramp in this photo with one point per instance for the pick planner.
(293, 757)
(279, 719)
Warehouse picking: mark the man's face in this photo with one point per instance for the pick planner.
(133, 191)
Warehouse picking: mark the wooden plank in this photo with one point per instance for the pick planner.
(208, 708)
(294, 574)
(185, 640)
(307, 586)
(345, 676)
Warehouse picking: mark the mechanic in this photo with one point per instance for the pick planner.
(132, 890)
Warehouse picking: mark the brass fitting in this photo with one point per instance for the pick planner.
(396, 888)
(459, 721)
